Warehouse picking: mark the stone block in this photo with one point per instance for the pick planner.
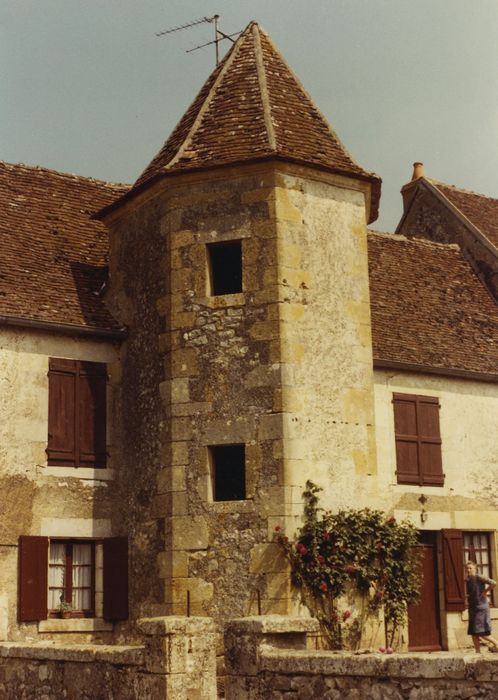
(278, 585)
(182, 428)
(266, 558)
(183, 363)
(179, 239)
(270, 427)
(189, 533)
(264, 330)
(172, 564)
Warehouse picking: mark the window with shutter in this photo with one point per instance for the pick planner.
(76, 413)
(418, 440)
(454, 583)
(58, 578)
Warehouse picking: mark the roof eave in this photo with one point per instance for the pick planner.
(64, 328)
(462, 373)
(373, 179)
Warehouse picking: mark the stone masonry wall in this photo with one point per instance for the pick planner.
(283, 367)
(267, 659)
(177, 663)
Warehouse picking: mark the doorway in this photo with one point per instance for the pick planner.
(424, 621)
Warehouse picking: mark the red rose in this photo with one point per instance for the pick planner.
(323, 586)
(285, 540)
(277, 528)
(320, 558)
(349, 569)
(346, 614)
(303, 550)
(379, 595)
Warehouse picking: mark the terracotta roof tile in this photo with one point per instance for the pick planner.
(251, 107)
(479, 210)
(53, 256)
(428, 307)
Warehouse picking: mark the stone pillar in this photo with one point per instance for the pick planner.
(244, 640)
(183, 651)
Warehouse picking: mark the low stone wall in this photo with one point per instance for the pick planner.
(267, 659)
(177, 662)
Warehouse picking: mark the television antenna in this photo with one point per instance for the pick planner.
(218, 34)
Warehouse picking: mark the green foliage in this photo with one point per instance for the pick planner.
(357, 555)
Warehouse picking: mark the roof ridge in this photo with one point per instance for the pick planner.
(263, 86)
(413, 239)
(314, 105)
(227, 62)
(439, 183)
(60, 173)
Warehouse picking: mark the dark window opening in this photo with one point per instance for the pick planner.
(225, 267)
(229, 472)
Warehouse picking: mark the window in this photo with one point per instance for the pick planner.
(76, 413)
(71, 578)
(228, 472)
(58, 571)
(225, 267)
(459, 547)
(476, 548)
(418, 440)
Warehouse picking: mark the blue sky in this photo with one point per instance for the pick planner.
(87, 87)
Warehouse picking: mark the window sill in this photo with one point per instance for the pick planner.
(246, 506)
(222, 301)
(85, 473)
(75, 624)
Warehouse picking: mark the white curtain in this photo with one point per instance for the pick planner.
(82, 576)
(57, 557)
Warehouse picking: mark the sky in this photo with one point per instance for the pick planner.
(87, 87)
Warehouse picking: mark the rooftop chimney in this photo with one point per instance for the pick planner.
(418, 171)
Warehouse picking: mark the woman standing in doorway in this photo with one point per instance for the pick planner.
(479, 613)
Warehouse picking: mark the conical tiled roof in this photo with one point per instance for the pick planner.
(253, 107)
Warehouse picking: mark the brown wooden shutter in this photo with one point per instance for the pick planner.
(430, 461)
(62, 438)
(33, 578)
(454, 583)
(116, 578)
(406, 436)
(92, 414)
(418, 440)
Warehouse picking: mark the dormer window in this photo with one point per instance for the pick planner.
(225, 267)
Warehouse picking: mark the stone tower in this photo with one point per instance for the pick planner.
(239, 264)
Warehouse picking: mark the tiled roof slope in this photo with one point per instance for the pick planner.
(479, 210)
(253, 106)
(428, 307)
(53, 256)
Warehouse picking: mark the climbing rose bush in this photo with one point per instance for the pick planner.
(353, 552)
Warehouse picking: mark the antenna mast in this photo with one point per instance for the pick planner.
(218, 34)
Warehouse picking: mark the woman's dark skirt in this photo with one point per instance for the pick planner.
(480, 621)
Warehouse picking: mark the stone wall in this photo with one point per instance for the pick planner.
(177, 663)
(284, 367)
(267, 659)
